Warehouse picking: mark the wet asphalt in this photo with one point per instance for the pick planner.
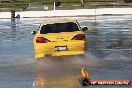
(109, 54)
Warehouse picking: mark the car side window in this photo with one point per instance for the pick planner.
(42, 29)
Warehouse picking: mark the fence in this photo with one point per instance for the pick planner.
(64, 5)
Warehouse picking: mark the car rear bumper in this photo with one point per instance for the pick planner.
(63, 53)
(73, 48)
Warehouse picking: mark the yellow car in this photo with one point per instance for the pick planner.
(59, 38)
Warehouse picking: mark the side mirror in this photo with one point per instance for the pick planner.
(84, 29)
(33, 32)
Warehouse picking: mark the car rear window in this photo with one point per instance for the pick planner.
(59, 27)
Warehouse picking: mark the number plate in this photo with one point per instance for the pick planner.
(61, 48)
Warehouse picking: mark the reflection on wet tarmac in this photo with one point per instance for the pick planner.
(57, 73)
(108, 57)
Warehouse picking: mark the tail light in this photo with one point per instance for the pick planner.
(79, 37)
(41, 40)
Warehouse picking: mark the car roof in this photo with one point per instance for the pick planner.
(61, 21)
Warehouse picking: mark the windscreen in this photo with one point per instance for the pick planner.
(59, 27)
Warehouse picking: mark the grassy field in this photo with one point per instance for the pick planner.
(20, 5)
